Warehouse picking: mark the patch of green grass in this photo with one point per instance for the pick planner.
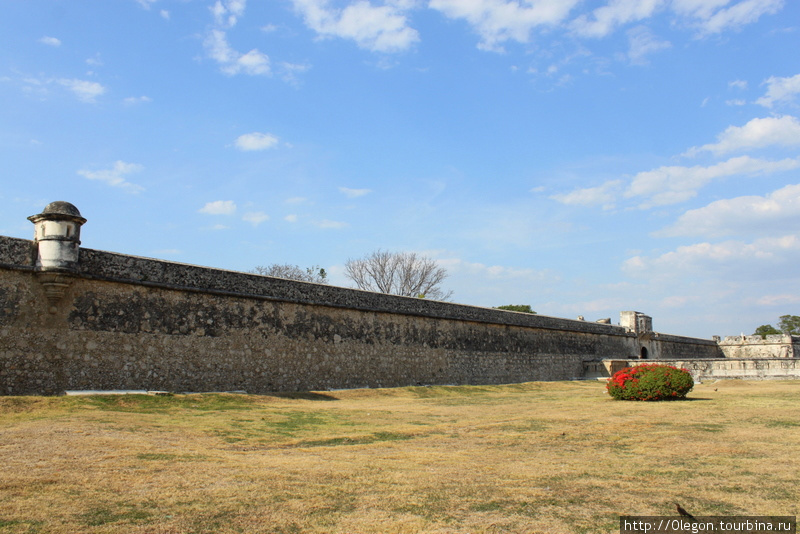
(356, 440)
(781, 424)
(208, 402)
(162, 456)
(299, 421)
(215, 520)
(16, 525)
(708, 427)
(275, 425)
(103, 515)
(778, 492)
(531, 425)
(426, 510)
(292, 528)
(491, 506)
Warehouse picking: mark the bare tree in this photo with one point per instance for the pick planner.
(293, 272)
(399, 273)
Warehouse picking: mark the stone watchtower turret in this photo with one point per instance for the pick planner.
(57, 239)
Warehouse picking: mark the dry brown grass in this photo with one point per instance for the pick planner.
(556, 457)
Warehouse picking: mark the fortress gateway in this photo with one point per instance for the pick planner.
(73, 318)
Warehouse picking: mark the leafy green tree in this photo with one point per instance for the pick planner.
(522, 308)
(314, 274)
(766, 330)
(790, 324)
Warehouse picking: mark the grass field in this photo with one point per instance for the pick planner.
(549, 457)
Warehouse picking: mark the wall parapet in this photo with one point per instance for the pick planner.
(16, 253)
(773, 346)
(110, 266)
(758, 340)
(657, 336)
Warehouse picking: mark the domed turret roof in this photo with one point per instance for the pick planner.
(58, 210)
(61, 208)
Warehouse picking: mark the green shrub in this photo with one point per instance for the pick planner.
(650, 382)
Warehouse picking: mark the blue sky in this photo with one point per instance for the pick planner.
(583, 157)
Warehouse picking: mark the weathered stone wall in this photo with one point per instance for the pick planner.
(667, 347)
(776, 346)
(126, 322)
(712, 369)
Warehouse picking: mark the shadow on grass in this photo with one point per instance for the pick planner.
(304, 395)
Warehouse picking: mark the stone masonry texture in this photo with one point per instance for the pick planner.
(134, 323)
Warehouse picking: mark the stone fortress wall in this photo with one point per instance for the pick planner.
(756, 347)
(73, 318)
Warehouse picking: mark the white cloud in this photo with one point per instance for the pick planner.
(710, 16)
(227, 12)
(779, 300)
(497, 21)
(380, 29)
(232, 62)
(290, 218)
(605, 195)
(758, 133)
(737, 15)
(253, 62)
(289, 71)
(331, 225)
(354, 193)
(218, 48)
(742, 215)
(483, 271)
(133, 100)
(115, 176)
(256, 141)
(643, 43)
(95, 61)
(606, 19)
(738, 84)
(670, 185)
(780, 90)
(50, 41)
(255, 217)
(85, 91)
(164, 14)
(219, 207)
(773, 256)
(495, 285)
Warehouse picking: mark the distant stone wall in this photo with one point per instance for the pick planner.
(668, 347)
(775, 346)
(712, 369)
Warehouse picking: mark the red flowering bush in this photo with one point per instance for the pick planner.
(650, 382)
